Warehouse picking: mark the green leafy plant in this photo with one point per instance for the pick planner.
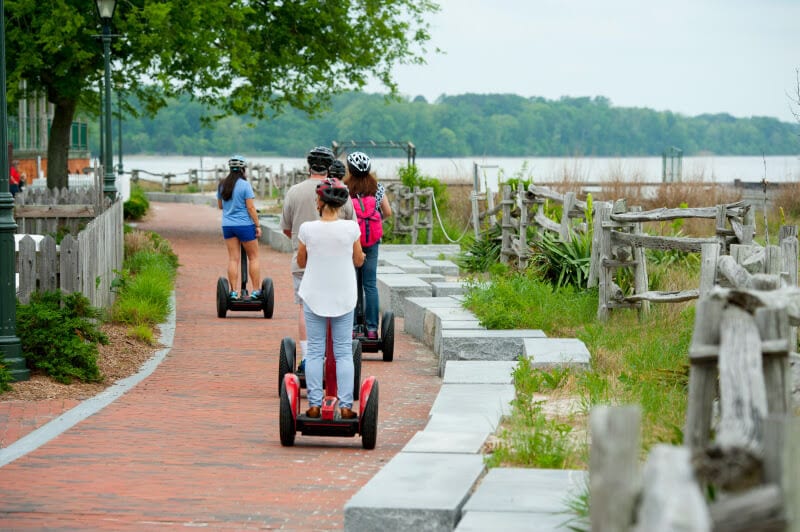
(480, 254)
(563, 263)
(59, 335)
(5, 378)
(411, 177)
(138, 204)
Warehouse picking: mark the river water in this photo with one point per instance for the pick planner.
(490, 170)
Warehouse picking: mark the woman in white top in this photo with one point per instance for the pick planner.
(329, 249)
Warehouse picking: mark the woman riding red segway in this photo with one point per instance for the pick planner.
(329, 250)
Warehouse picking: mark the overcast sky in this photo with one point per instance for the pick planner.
(687, 56)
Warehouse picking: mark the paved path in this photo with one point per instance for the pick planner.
(196, 443)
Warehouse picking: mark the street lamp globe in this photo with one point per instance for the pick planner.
(105, 9)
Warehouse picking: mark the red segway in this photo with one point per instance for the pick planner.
(293, 420)
(288, 361)
(265, 302)
(385, 341)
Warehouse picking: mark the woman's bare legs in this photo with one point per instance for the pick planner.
(234, 262)
(253, 265)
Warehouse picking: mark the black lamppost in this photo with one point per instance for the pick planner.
(105, 9)
(119, 132)
(10, 347)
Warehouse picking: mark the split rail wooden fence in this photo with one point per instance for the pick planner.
(741, 439)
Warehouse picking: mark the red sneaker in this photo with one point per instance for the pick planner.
(372, 335)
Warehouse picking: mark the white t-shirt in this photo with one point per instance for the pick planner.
(329, 282)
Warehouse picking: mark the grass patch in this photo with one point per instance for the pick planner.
(634, 360)
(146, 282)
(519, 300)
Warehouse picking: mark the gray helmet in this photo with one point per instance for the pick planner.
(320, 159)
(359, 163)
(337, 169)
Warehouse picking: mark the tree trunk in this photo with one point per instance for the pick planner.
(59, 144)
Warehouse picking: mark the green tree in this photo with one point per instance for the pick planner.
(239, 57)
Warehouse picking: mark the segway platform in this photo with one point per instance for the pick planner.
(385, 341)
(264, 303)
(330, 423)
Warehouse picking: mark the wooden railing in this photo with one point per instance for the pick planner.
(523, 209)
(745, 451)
(412, 211)
(265, 180)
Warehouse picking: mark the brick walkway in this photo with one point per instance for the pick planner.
(196, 443)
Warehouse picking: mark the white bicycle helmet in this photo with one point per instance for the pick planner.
(359, 163)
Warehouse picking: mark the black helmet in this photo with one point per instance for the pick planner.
(320, 159)
(333, 192)
(237, 162)
(359, 163)
(337, 169)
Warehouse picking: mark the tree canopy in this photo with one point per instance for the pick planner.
(254, 57)
(465, 125)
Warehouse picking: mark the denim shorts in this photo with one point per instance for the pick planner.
(245, 233)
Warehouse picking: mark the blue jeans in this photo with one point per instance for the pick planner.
(342, 329)
(369, 277)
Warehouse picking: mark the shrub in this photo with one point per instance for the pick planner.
(5, 378)
(411, 177)
(136, 207)
(59, 335)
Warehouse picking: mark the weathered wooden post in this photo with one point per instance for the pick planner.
(614, 466)
(640, 280)
(522, 240)
(414, 212)
(703, 354)
(782, 465)
(507, 227)
(671, 498)
(602, 212)
(564, 229)
(709, 255)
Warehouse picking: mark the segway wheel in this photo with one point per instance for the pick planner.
(223, 292)
(286, 360)
(356, 369)
(268, 293)
(369, 420)
(287, 428)
(387, 336)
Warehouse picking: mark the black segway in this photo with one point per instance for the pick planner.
(385, 341)
(265, 302)
(292, 420)
(288, 361)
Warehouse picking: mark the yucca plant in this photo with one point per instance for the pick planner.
(482, 253)
(563, 263)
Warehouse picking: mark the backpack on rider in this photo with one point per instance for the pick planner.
(369, 219)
